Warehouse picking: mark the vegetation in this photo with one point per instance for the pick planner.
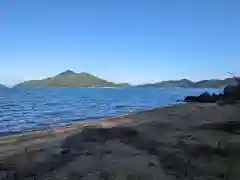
(70, 79)
(215, 83)
(172, 83)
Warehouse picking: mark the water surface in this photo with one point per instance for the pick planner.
(23, 110)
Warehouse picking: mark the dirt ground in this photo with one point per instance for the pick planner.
(183, 142)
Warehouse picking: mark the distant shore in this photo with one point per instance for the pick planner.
(70, 78)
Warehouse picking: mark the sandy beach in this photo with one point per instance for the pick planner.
(186, 142)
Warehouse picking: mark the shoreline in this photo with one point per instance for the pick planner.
(81, 124)
(43, 137)
(183, 141)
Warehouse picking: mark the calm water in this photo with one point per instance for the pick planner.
(23, 110)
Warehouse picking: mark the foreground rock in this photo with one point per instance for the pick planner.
(205, 98)
(231, 94)
(184, 142)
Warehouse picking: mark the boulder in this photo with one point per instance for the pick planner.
(191, 99)
(228, 90)
(218, 97)
(204, 98)
(232, 92)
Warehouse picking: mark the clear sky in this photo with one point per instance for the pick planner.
(134, 41)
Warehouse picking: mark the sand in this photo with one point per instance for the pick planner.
(190, 141)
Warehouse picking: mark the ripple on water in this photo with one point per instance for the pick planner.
(23, 110)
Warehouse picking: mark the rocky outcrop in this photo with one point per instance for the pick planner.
(230, 94)
(205, 98)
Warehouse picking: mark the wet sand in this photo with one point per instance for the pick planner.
(190, 141)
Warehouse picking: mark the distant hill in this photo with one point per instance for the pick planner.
(69, 79)
(215, 83)
(125, 85)
(171, 83)
(185, 83)
(77, 80)
(3, 87)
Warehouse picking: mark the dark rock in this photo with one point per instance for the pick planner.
(214, 96)
(205, 97)
(232, 92)
(228, 90)
(190, 99)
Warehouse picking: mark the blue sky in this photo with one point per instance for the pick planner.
(134, 41)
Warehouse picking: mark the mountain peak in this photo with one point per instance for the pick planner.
(66, 73)
(70, 79)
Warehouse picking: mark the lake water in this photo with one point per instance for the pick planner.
(24, 110)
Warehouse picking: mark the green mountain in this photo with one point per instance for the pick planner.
(169, 84)
(185, 83)
(72, 79)
(69, 79)
(215, 83)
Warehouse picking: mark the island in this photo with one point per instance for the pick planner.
(69, 79)
(185, 83)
